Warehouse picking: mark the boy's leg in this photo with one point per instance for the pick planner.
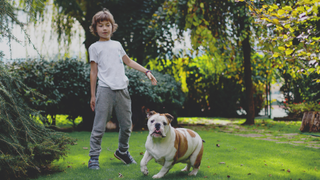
(103, 111)
(123, 113)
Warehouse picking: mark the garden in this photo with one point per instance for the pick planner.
(218, 85)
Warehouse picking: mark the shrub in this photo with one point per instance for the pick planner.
(25, 146)
(166, 97)
(66, 85)
(212, 87)
(301, 87)
(301, 92)
(213, 96)
(296, 110)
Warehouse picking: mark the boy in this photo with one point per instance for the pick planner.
(106, 58)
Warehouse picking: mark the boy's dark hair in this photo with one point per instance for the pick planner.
(100, 16)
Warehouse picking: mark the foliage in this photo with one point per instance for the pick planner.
(207, 20)
(297, 109)
(71, 96)
(293, 40)
(221, 28)
(8, 17)
(213, 87)
(6, 14)
(301, 93)
(139, 38)
(300, 88)
(167, 90)
(26, 147)
(65, 83)
(165, 97)
(292, 34)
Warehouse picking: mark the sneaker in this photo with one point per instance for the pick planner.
(124, 157)
(93, 163)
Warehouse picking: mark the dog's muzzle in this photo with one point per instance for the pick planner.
(157, 132)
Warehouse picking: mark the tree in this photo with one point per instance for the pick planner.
(139, 38)
(293, 35)
(26, 146)
(219, 27)
(8, 17)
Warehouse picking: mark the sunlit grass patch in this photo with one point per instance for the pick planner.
(61, 120)
(64, 121)
(208, 121)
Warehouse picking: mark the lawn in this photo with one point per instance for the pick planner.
(266, 150)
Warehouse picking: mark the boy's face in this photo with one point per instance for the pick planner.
(104, 30)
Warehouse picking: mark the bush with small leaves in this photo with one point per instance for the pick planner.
(26, 146)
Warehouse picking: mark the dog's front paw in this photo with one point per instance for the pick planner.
(187, 168)
(157, 176)
(144, 170)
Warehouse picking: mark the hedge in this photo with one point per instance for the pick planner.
(66, 85)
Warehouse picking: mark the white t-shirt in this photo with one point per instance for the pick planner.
(108, 55)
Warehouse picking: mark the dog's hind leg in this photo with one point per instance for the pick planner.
(194, 171)
(164, 170)
(195, 159)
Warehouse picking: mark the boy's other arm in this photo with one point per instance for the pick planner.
(138, 67)
(93, 83)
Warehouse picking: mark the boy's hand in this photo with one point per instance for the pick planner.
(93, 103)
(152, 78)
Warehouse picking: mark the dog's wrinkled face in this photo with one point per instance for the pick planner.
(158, 124)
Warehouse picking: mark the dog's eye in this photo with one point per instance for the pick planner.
(164, 123)
(152, 121)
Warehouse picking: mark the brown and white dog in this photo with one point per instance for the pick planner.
(169, 146)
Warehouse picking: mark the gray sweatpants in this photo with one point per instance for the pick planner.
(106, 101)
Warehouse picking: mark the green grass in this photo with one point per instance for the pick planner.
(242, 157)
(281, 131)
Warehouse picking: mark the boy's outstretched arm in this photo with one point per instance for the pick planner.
(138, 67)
(93, 83)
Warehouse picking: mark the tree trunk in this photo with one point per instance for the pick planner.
(248, 81)
(310, 122)
(246, 49)
(90, 39)
(140, 56)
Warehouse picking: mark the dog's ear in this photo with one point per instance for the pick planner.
(151, 113)
(169, 117)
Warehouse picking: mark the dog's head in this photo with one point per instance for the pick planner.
(159, 124)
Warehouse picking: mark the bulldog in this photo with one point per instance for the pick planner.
(168, 145)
